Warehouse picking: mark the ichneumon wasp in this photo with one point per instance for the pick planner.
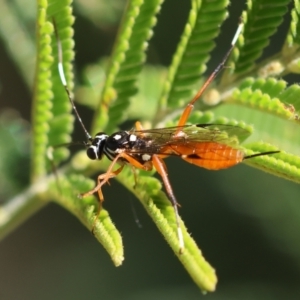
(210, 146)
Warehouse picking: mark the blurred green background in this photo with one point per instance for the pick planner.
(246, 222)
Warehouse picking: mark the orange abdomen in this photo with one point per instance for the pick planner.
(208, 155)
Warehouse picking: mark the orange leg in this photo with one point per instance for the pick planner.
(160, 167)
(101, 180)
(104, 178)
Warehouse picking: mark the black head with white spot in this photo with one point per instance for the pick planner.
(95, 148)
(118, 142)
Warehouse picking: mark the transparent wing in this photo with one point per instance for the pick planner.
(157, 139)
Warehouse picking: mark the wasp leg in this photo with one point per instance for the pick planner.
(103, 178)
(160, 167)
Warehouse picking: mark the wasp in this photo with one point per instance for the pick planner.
(210, 146)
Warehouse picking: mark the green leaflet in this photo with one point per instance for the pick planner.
(257, 98)
(189, 60)
(66, 194)
(159, 208)
(293, 36)
(126, 63)
(268, 95)
(291, 96)
(51, 107)
(42, 95)
(61, 125)
(261, 19)
(270, 86)
(281, 164)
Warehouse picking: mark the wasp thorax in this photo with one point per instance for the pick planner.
(95, 148)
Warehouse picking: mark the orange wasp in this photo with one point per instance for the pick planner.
(209, 146)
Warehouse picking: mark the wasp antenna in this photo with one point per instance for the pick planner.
(212, 76)
(237, 34)
(64, 81)
(221, 64)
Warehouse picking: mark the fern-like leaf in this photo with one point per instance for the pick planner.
(259, 96)
(159, 208)
(293, 36)
(42, 95)
(192, 54)
(282, 164)
(291, 97)
(51, 110)
(61, 125)
(126, 63)
(84, 209)
(261, 19)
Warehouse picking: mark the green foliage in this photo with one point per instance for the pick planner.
(196, 43)
(248, 95)
(261, 95)
(126, 63)
(15, 132)
(158, 207)
(293, 35)
(61, 122)
(52, 119)
(261, 19)
(43, 95)
(12, 25)
(282, 164)
(105, 231)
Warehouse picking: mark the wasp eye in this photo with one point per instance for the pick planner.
(91, 152)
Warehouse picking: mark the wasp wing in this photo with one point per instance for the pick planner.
(159, 138)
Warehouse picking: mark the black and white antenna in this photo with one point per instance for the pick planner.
(64, 81)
